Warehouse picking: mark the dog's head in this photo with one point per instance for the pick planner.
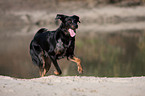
(70, 23)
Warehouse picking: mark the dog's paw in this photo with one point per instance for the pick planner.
(80, 70)
(57, 73)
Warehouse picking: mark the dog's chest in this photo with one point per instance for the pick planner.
(60, 48)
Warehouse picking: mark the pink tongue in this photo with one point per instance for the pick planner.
(72, 33)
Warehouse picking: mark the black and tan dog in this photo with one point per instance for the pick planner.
(49, 46)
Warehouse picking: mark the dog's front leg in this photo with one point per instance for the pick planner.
(78, 61)
(58, 70)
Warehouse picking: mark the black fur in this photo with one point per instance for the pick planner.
(49, 46)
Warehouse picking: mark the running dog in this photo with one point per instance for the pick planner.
(50, 46)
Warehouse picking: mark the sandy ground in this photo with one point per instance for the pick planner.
(72, 86)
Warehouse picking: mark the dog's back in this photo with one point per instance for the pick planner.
(42, 30)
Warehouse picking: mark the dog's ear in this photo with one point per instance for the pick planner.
(61, 17)
(77, 18)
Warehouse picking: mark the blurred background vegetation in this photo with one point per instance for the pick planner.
(9, 8)
(110, 40)
(50, 4)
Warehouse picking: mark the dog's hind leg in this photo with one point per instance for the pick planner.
(38, 57)
(46, 64)
(42, 69)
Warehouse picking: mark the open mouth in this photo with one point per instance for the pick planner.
(71, 32)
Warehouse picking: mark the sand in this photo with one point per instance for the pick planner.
(72, 86)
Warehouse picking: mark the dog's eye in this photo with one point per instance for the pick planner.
(69, 21)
